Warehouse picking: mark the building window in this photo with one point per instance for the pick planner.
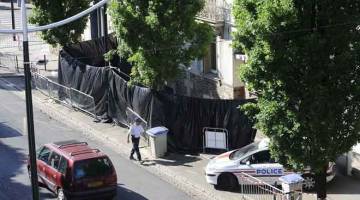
(209, 61)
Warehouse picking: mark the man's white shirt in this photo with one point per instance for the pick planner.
(136, 130)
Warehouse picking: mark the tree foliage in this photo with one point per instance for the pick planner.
(46, 12)
(304, 66)
(158, 36)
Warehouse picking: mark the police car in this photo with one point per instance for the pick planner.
(254, 159)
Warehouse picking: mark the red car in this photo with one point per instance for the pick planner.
(73, 170)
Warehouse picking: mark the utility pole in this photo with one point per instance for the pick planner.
(29, 106)
(13, 18)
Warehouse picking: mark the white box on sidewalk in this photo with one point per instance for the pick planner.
(291, 183)
(158, 141)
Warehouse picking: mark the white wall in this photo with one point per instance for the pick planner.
(87, 32)
(354, 160)
(224, 53)
(356, 148)
(237, 64)
(227, 63)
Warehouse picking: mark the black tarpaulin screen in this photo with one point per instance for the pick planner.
(186, 117)
(121, 96)
(82, 66)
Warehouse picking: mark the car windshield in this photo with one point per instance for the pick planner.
(92, 168)
(243, 151)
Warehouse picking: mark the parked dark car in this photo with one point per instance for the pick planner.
(73, 170)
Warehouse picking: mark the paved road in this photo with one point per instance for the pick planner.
(133, 182)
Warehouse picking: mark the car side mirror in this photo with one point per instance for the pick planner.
(248, 162)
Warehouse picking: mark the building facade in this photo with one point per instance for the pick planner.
(215, 75)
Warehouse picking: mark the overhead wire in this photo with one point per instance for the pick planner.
(304, 30)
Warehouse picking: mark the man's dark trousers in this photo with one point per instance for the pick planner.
(135, 141)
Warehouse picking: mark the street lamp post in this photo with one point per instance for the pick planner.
(29, 107)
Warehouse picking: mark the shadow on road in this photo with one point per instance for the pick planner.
(10, 187)
(126, 194)
(343, 184)
(7, 132)
(12, 83)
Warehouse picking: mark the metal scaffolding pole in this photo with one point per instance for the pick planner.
(105, 26)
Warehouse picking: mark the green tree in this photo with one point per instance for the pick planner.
(304, 66)
(46, 12)
(158, 36)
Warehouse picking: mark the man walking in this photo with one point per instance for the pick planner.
(135, 132)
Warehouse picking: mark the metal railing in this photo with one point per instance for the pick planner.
(7, 40)
(253, 188)
(41, 83)
(14, 63)
(67, 95)
(9, 62)
(11, 52)
(59, 92)
(8, 44)
(215, 11)
(82, 101)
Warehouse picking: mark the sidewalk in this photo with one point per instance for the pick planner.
(184, 171)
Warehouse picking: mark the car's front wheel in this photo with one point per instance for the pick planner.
(309, 182)
(227, 181)
(61, 194)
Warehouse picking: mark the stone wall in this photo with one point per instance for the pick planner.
(205, 86)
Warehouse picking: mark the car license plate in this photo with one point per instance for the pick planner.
(95, 184)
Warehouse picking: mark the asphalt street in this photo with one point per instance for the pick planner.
(134, 183)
